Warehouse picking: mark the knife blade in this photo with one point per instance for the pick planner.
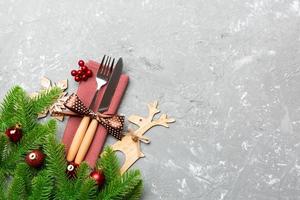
(111, 86)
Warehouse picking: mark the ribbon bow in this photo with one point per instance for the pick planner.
(114, 124)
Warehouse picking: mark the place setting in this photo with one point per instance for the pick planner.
(81, 161)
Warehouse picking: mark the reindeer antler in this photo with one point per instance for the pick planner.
(163, 121)
(152, 107)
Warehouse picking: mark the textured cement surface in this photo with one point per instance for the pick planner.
(227, 70)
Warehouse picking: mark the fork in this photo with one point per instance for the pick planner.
(103, 75)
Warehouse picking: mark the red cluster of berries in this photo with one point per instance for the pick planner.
(83, 73)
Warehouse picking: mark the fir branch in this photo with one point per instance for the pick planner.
(3, 182)
(136, 193)
(7, 108)
(121, 187)
(38, 135)
(127, 186)
(82, 174)
(26, 173)
(17, 108)
(16, 190)
(56, 165)
(109, 163)
(34, 139)
(24, 113)
(88, 190)
(3, 146)
(45, 99)
(85, 187)
(42, 186)
(55, 160)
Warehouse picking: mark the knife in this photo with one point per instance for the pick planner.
(104, 105)
(111, 86)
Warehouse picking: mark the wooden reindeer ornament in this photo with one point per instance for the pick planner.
(130, 143)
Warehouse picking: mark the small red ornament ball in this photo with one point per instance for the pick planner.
(81, 63)
(80, 72)
(14, 133)
(35, 158)
(77, 78)
(71, 169)
(84, 68)
(84, 77)
(89, 73)
(74, 72)
(98, 176)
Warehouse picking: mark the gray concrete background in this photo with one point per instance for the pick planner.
(227, 70)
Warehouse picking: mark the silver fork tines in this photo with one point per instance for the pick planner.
(103, 75)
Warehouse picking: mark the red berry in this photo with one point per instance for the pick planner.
(71, 169)
(35, 158)
(84, 77)
(14, 133)
(81, 63)
(80, 72)
(84, 68)
(77, 78)
(74, 72)
(98, 176)
(89, 73)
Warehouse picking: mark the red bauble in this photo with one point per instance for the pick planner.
(80, 72)
(89, 73)
(77, 78)
(98, 176)
(35, 158)
(14, 133)
(71, 169)
(81, 63)
(74, 72)
(84, 77)
(84, 68)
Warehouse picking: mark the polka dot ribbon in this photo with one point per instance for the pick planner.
(114, 124)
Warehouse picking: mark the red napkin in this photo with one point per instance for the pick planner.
(85, 91)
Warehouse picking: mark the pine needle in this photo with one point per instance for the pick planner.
(121, 187)
(109, 163)
(136, 193)
(42, 186)
(16, 190)
(45, 99)
(88, 190)
(7, 108)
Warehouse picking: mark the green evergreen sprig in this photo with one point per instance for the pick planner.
(19, 108)
(19, 181)
(118, 186)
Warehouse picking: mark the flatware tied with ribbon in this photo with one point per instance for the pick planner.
(105, 102)
(103, 75)
(85, 92)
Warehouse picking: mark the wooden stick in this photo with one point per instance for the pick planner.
(78, 138)
(86, 142)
